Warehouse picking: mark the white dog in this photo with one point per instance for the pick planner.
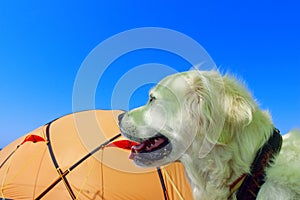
(212, 125)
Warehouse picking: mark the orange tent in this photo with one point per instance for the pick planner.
(69, 159)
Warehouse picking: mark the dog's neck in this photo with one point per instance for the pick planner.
(209, 176)
(212, 175)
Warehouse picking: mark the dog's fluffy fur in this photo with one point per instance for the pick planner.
(215, 128)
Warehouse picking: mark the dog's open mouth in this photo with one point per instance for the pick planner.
(159, 142)
(149, 149)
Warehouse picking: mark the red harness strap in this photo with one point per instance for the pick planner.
(237, 183)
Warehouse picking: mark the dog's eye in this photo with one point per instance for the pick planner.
(151, 98)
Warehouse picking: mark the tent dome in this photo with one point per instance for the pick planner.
(64, 159)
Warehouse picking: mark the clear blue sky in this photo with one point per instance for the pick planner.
(43, 43)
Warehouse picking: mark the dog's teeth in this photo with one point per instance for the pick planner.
(152, 142)
(134, 150)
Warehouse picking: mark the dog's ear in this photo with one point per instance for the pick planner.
(238, 111)
(206, 105)
(220, 104)
(238, 108)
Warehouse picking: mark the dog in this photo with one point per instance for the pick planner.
(212, 124)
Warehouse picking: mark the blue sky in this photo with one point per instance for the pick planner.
(43, 44)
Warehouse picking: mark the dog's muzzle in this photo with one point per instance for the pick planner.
(149, 149)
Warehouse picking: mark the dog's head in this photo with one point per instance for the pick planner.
(184, 108)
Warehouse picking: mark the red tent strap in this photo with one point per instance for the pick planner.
(28, 138)
(124, 144)
(33, 138)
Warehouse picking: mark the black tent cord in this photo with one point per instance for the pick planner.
(66, 172)
(163, 185)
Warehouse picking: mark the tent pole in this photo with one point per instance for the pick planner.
(66, 172)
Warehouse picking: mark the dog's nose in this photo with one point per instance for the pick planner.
(120, 117)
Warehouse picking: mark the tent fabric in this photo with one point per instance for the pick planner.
(28, 167)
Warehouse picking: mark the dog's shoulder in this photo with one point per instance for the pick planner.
(285, 169)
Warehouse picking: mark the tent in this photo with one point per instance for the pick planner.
(77, 157)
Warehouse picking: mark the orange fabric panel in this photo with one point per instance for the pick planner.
(176, 183)
(108, 174)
